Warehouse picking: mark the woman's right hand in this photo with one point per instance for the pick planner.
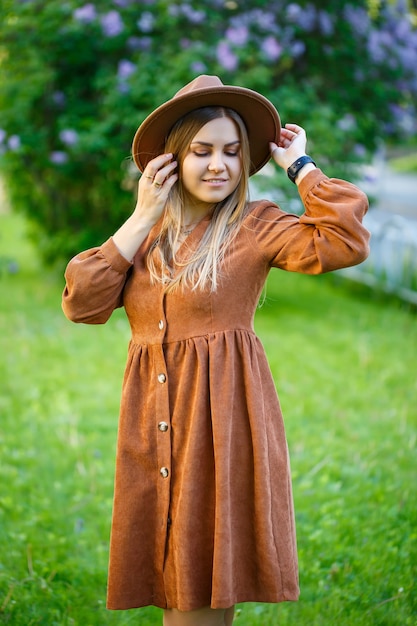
(153, 189)
(154, 186)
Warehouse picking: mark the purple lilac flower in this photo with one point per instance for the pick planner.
(185, 43)
(386, 38)
(408, 58)
(112, 24)
(293, 11)
(403, 118)
(125, 69)
(264, 19)
(358, 18)
(359, 150)
(226, 57)
(123, 87)
(380, 46)
(68, 136)
(59, 98)
(139, 43)
(122, 3)
(145, 22)
(58, 157)
(198, 67)
(402, 30)
(237, 35)
(194, 16)
(402, 7)
(325, 23)
(86, 13)
(307, 18)
(271, 48)
(297, 49)
(347, 123)
(14, 142)
(375, 49)
(359, 75)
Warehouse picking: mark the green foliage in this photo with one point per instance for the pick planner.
(77, 79)
(344, 364)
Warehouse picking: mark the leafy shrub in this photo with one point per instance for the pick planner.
(77, 79)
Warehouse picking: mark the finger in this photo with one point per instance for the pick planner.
(166, 185)
(273, 147)
(294, 127)
(156, 164)
(297, 131)
(286, 138)
(163, 173)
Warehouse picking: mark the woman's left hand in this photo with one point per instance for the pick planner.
(292, 145)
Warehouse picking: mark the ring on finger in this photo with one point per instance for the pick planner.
(146, 176)
(155, 182)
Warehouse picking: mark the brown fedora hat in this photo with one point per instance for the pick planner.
(258, 113)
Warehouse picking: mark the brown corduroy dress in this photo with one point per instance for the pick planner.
(203, 512)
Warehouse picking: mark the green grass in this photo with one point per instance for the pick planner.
(345, 366)
(405, 164)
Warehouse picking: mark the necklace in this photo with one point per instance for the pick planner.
(187, 230)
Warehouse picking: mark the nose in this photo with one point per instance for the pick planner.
(216, 162)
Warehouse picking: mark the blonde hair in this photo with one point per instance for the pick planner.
(202, 269)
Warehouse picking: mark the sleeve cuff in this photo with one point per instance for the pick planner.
(114, 258)
(309, 181)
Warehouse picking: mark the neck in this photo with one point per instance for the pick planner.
(193, 213)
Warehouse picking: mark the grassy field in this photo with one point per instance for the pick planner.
(345, 366)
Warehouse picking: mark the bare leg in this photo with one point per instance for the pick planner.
(228, 616)
(200, 617)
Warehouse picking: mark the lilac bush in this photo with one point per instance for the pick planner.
(78, 77)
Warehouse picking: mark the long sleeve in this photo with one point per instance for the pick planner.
(328, 236)
(94, 284)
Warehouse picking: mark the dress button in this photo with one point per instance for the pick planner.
(162, 378)
(164, 471)
(163, 427)
(161, 324)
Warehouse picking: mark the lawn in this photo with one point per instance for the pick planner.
(344, 361)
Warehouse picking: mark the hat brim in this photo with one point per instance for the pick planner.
(261, 119)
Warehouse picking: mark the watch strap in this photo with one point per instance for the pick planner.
(293, 170)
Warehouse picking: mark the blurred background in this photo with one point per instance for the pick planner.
(76, 80)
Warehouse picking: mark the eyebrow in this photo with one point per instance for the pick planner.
(205, 143)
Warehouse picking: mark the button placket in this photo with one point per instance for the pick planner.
(163, 437)
(163, 430)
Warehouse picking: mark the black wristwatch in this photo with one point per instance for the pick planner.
(293, 170)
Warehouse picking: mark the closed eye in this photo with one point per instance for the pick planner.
(227, 153)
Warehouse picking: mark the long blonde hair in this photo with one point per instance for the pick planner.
(201, 270)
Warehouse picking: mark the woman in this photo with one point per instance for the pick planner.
(203, 513)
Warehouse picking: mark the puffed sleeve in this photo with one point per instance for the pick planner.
(328, 236)
(94, 284)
